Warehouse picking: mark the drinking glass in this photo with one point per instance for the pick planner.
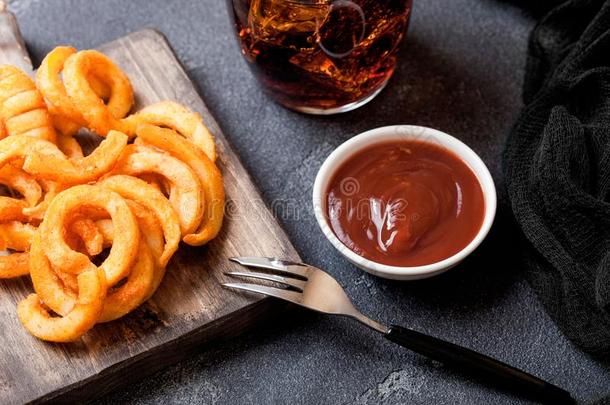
(321, 56)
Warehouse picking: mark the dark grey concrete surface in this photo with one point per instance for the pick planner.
(460, 71)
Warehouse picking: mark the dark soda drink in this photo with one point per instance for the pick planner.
(321, 56)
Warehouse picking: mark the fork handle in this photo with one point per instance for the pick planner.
(478, 364)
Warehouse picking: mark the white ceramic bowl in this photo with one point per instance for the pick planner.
(398, 133)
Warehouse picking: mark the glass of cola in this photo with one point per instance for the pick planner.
(321, 56)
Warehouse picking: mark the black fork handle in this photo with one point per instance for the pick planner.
(480, 365)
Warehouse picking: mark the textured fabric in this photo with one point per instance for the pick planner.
(557, 168)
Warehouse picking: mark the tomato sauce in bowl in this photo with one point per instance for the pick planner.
(405, 203)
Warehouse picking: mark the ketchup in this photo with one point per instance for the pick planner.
(405, 203)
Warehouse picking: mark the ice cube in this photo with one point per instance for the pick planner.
(343, 29)
(342, 74)
(287, 23)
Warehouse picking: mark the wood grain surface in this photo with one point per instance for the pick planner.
(12, 47)
(189, 309)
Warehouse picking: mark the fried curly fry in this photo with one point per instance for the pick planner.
(14, 265)
(152, 235)
(185, 192)
(147, 196)
(135, 290)
(51, 86)
(45, 160)
(188, 124)
(58, 290)
(99, 117)
(87, 235)
(16, 236)
(81, 317)
(50, 189)
(22, 107)
(206, 170)
(11, 209)
(126, 237)
(25, 184)
(60, 104)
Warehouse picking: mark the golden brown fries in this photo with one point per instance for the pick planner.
(97, 86)
(81, 316)
(185, 191)
(63, 208)
(154, 202)
(44, 160)
(169, 114)
(22, 108)
(17, 237)
(52, 87)
(140, 282)
(95, 231)
(211, 180)
(101, 117)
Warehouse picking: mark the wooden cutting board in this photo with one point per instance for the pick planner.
(189, 309)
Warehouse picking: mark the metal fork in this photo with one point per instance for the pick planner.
(315, 289)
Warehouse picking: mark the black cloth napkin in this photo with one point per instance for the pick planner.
(557, 169)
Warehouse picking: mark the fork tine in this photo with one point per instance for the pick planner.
(292, 282)
(282, 266)
(286, 295)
